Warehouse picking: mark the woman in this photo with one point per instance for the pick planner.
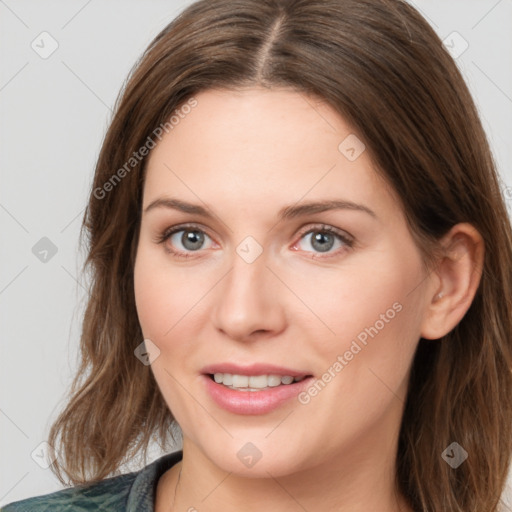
(301, 254)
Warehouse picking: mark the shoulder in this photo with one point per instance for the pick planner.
(109, 494)
(131, 491)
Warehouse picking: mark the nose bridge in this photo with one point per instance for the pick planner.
(248, 299)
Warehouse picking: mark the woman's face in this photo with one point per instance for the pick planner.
(258, 272)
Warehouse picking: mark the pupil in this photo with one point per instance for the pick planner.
(320, 238)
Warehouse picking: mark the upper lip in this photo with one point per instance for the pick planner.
(253, 369)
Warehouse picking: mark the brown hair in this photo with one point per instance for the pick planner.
(381, 66)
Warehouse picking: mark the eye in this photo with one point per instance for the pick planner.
(184, 240)
(323, 239)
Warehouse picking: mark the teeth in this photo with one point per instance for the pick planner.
(240, 381)
(258, 382)
(253, 382)
(273, 380)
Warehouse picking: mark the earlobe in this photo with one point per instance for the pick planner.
(457, 275)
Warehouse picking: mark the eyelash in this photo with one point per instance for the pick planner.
(321, 228)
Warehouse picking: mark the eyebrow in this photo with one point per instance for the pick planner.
(289, 212)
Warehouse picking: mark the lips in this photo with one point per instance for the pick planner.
(253, 401)
(253, 369)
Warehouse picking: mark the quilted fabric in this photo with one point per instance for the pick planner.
(131, 492)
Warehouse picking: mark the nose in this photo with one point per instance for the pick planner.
(249, 301)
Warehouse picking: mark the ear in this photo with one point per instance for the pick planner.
(454, 281)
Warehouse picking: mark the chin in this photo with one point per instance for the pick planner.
(255, 459)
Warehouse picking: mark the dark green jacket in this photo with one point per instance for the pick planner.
(132, 492)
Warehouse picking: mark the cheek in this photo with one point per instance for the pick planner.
(373, 327)
(163, 292)
(148, 298)
(363, 364)
(366, 298)
(162, 298)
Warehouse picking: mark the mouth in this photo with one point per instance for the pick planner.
(254, 394)
(256, 388)
(254, 383)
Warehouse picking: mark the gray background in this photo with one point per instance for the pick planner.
(54, 112)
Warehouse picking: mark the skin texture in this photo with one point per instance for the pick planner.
(245, 155)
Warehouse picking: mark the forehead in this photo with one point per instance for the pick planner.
(254, 144)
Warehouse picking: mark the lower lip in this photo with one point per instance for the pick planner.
(253, 402)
